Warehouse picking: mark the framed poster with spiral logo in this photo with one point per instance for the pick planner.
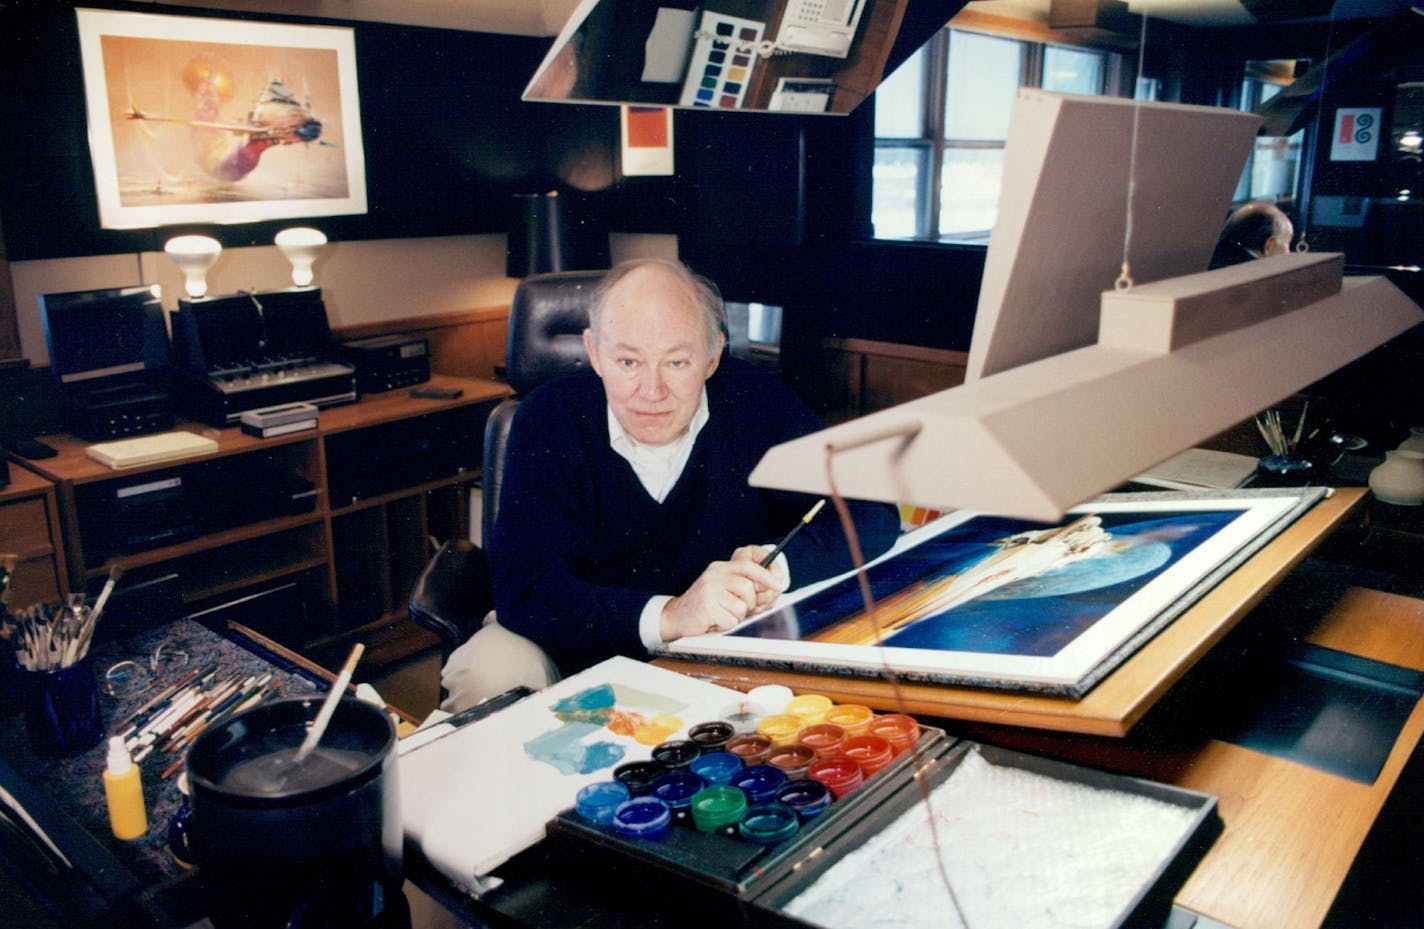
(201, 120)
(1357, 131)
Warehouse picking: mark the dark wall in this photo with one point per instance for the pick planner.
(774, 207)
(1367, 60)
(808, 247)
(447, 140)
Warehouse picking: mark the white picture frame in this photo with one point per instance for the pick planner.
(204, 120)
(1059, 631)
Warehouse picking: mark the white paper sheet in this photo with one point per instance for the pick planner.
(481, 794)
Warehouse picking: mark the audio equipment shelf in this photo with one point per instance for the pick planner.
(345, 512)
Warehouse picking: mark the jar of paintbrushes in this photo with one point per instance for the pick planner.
(55, 683)
(1285, 466)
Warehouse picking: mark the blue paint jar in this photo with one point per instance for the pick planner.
(645, 818)
(596, 802)
(760, 782)
(768, 824)
(676, 789)
(717, 767)
(807, 797)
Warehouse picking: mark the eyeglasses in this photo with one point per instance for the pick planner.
(129, 678)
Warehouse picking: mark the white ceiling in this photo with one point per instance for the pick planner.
(516, 17)
(547, 17)
(1210, 13)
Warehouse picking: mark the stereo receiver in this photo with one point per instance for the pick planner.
(388, 362)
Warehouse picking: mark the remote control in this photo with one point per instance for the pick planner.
(437, 393)
(26, 447)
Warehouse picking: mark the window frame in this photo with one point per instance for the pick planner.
(935, 88)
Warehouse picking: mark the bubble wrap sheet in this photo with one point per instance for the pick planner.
(1021, 850)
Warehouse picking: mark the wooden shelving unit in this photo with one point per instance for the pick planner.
(390, 472)
(29, 529)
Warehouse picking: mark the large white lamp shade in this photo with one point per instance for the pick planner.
(300, 245)
(194, 255)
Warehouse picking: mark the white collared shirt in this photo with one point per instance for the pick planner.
(658, 466)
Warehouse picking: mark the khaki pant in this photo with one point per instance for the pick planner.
(490, 662)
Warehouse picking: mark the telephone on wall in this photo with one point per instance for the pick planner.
(820, 27)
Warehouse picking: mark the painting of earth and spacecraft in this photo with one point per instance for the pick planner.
(1006, 603)
(210, 120)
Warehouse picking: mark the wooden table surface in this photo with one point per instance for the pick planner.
(72, 464)
(1122, 698)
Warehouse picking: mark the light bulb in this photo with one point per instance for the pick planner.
(194, 255)
(301, 244)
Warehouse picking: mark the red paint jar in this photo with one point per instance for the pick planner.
(840, 774)
(869, 751)
(900, 730)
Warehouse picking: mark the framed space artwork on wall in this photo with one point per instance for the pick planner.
(198, 120)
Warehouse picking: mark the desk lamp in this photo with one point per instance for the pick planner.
(1077, 384)
(300, 245)
(194, 255)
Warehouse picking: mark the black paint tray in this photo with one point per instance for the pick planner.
(752, 884)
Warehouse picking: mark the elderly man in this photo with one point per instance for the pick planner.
(625, 517)
(1256, 230)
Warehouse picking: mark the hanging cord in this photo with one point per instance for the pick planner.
(868, 601)
(1301, 243)
(1124, 277)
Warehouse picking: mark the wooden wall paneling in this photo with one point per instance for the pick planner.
(466, 344)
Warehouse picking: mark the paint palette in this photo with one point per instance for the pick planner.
(722, 61)
(720, 874)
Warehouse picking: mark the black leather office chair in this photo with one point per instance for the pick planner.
(547, 318)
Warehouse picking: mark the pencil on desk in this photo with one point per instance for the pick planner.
(786, 539)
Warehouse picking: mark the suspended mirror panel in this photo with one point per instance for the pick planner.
(790, 56)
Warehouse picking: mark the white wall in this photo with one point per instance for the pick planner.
(362, 282)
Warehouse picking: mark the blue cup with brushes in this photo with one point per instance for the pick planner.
(55, 683)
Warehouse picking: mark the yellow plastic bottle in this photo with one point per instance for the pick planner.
(123, 788)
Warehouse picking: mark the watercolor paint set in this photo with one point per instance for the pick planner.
(949, 828)
(723, 59)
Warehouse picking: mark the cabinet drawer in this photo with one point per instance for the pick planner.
(36, 581)
(24, 529)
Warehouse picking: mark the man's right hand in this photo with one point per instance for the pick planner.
(721, 597)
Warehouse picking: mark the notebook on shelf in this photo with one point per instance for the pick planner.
(150, 449)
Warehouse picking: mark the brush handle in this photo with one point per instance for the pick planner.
(328, 707)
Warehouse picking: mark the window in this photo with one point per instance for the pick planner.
(941, 121)
(1273, 167)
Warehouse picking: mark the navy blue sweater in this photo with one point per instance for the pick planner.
(580, 546)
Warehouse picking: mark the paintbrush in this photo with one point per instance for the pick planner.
(786, 539)
(86, 633)
(328, 707)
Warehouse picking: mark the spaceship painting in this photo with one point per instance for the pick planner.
(1009, 604)
(214, 120)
